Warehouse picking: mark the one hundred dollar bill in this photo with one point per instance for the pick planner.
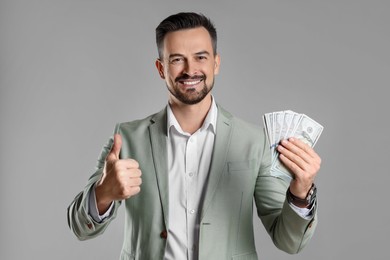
(283, 125)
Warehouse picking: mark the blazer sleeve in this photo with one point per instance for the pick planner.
(289, 231)
(79, 220)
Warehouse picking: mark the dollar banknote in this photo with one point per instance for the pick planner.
(283, 125)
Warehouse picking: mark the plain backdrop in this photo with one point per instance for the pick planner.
(70, 70)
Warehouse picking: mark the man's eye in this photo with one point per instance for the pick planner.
(202, 58)
(176, 60)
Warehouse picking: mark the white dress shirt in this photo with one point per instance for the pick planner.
(189, 158)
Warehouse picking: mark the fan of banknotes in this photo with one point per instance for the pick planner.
(283, 125)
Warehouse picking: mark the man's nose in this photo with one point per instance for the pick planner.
(191, 68)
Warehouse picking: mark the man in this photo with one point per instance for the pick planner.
(188, 174)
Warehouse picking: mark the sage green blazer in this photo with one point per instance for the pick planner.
(239, 177)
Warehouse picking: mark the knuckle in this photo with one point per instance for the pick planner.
(296, 158)
(134, 163)
(306, 147)
(136, 173)
(292, 166)
(136, 190)
(300, 153)
(119, 173)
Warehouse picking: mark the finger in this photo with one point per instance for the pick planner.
(134, 173)
(126, 164)
(293, 167)
(294, 152)
(131, 163)
(134, 191)
(127, 178)
(116, 148)
(293, 158)
(293, 161)
(302, 145)
(129, 191)
(135, 182)
(313, 156)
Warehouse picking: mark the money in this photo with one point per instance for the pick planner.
(283, 125)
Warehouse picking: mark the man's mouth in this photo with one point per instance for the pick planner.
(190, 83)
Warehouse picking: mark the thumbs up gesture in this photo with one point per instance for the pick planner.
(121, 178)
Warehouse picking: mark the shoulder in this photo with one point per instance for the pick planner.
(242, 135)
(238, 124)
(140, 125)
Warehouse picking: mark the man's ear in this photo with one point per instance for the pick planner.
(160, 68)
(217, 63)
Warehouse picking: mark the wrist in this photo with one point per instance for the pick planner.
(305, 202)
(102, 201)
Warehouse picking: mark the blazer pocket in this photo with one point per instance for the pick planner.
(240, 175)
(245, 256)
(243, 166)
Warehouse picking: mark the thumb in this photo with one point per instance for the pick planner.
(116, 148)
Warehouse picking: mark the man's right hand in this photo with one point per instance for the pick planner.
(121, 178)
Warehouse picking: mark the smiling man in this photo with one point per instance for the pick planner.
(188, 175)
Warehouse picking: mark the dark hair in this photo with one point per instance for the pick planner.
(181, 21)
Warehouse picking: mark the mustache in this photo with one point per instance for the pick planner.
(186, 76)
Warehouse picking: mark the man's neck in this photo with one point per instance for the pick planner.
(190, 117)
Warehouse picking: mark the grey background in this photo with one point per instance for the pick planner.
(71, 69)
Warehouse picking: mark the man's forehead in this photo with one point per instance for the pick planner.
(188, 37)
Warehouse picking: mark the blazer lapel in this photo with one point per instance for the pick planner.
(158, 139)
(218, 161)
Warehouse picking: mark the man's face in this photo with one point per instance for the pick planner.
(188, 65)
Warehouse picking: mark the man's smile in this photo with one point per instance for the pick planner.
(190, 83)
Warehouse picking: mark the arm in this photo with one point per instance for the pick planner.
(116, 179)
(81, 222)
(93, 210)
(288, 230)
(79, 219)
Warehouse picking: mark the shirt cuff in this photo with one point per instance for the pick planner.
(303, 212)
(92, 208)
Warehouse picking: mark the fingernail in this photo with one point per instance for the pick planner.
(291, 139)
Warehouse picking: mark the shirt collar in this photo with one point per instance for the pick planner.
(209, 122)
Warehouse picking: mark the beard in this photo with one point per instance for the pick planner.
(191, 96)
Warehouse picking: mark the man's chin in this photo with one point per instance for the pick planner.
(191, 96)
(191, 101)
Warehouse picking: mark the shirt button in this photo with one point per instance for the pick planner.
(191, 174)
(192, 211)
(164, 234)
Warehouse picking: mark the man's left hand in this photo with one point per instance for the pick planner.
(302, 161)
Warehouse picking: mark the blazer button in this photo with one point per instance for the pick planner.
(164, 234)
(89, 225)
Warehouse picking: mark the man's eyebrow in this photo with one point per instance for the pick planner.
(202, 53)
(175, 55)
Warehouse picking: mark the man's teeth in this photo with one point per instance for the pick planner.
(191, 82)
